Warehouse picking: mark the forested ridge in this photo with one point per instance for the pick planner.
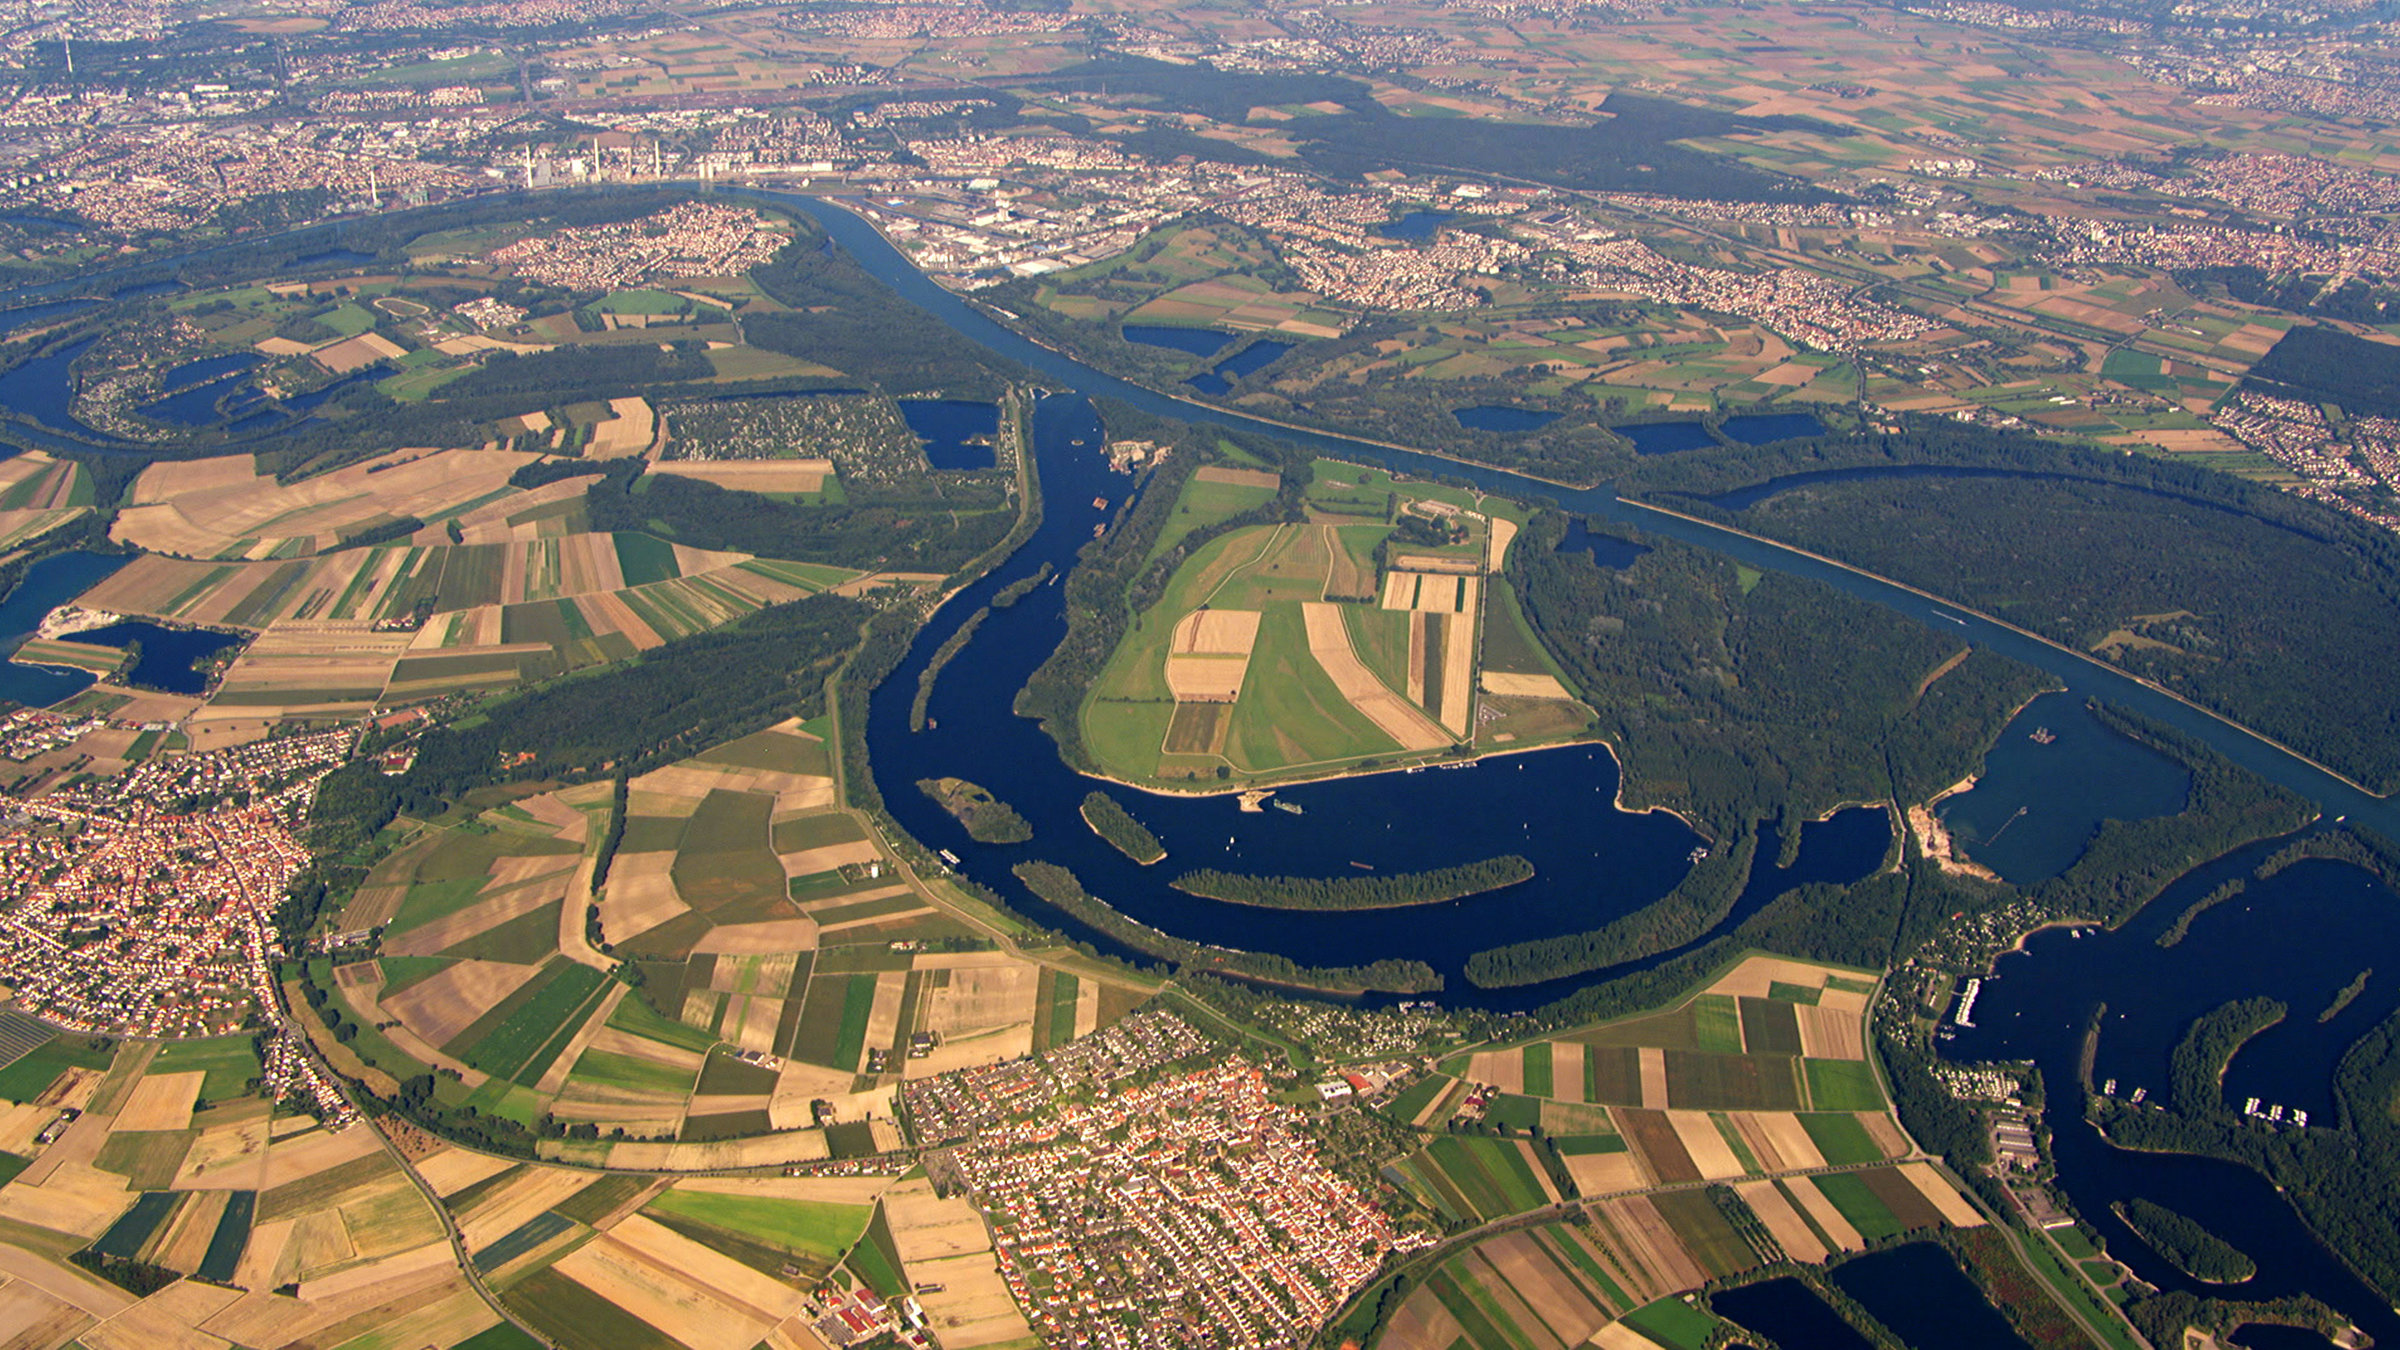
(1360, 892)
(1061, 888)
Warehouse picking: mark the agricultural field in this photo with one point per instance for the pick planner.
(1282, 650)
(178, 1166)
(1724, 1169)
(785, 961)
(38, 494)
(410, 621)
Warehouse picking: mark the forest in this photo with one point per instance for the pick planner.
(2325, 364)
(1112, 822)
(1733, 696)
(2186, 1245)
(1361, 892)
(935, 534)
(1059, 887)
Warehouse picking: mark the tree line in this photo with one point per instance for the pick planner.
(1365, 892)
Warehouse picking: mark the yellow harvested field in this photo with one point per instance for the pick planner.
(1437, 593)
(64, 1283)
(1827, 1216)
(1754, 976)
(34, 1318)
(1651, 1240)
(1216, 632)
(1710, 1153)
(161, 1101)
(758, 939)
(1654, 1077)
(773, 1150)
(1830, 1033)
(1777, 1140)
(1257, 478)
(973, 1307)
(1396, 717)
(809, 862)
(640, 895)
(203, 508)
(1206, 679)
(515, 1201)
(1523, 686)
(357, 353)
(1783, 1221)
(1503, 1069)
(980, 998)
(1400, 590)
(1495, 549)
(629, 430)
(308, 1154)
(664, 1298)
(75, 1198)
(454, 1169)
(166, 1320)
(1944, 1196)
(1885, 1133)
(443, 1004)
(750, 475)
(1606, 1173)
(1458, 663)
(227, 1156)
(721, 1275)
(819, 1190)
(1618, 1336)
(375, 1274)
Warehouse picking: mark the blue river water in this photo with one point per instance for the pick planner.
(52, 582)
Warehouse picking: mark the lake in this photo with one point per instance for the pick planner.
(1196, 341)
(169, 656)
(957, 433)
(1789, 1313)
(1251, 359)
(52, 582)
(2038, 801)
(1665, 438)
(1919, 1292)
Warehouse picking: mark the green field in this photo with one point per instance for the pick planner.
(1492, 1176)
(1673, 1323)
(1699, 1081)
(1840, 1138)
(1538, 1079)
(1842, 1085)
(1716, 1024)
(1859, 1204)
(812, 1233)
(504, 1041)
(626, 1073)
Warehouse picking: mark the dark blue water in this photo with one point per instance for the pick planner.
(1197, 341)
(27, 315)
(2036, 806)
(44, 387)
(1253, 358)
(1606, 549)
(1492, 417)
(195, 406)
(1210, 383)
(48, 584)
(169, 655)
(1415, 225)
(1557, 807)
(950, 429)
(207, 368)
(2298, 936)
(1790, 1314)
(1919, 1293)
(1767, 428)
(144, 289)
(1665, 438)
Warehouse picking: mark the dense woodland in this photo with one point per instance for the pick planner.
(1111, 821)
(2273, 610)
(1360, 892)
(2185, 1244)
(1733, 696)
(1059, 887)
